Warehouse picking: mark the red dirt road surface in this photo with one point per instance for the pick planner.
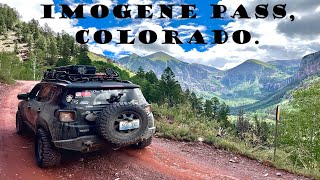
(164, 159)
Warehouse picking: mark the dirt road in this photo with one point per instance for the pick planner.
(164, 159)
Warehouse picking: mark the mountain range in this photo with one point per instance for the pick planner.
(196, 77)
(247, 83)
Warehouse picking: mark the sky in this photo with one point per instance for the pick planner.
(278, 39)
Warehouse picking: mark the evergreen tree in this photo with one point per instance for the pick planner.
(63, 62)
(84, 59)
(53, 52)
(18, 34)
(140, 73)
(25, 32)
(47, 30)
(34, 28)
(242, 124)
(41, 43)
(16, 48)
(208, 108)
(3, 27)
(223, 114)
(215, 107)
(151, 77)
(170, 89)
(67, 45)
(6, 33)
(196, 103)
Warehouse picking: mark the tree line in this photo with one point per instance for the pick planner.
(167, 90)
(39, 47)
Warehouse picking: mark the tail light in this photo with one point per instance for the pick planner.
(147, 108)
(67, 116)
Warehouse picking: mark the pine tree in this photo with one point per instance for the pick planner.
(170, 89)
(151, 77)
(16, 48)
(53, 51)
(63, 62)
(18, 34)
(242, 124)
(41, 43)
(84, 59)
(208, 108)
(215, 107)
(223, 114)
(140, 73)
(2, 26)
(6, 33)
(196, 103)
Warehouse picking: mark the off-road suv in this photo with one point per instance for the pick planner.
(73, 108)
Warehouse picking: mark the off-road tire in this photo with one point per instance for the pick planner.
(142, 144)
(106, 121)
(46, 155)
(21, 127)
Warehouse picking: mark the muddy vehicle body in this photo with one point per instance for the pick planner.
(75, 109)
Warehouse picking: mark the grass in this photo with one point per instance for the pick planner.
(181, 123)
(5, 79)
(262, 63)
(160, 56)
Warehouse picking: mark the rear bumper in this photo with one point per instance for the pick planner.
(91, 143)
(82, 144)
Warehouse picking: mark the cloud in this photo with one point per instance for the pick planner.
(279, 39)
(27, 9)
(305, 27)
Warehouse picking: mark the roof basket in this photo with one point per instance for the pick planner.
(79, 73)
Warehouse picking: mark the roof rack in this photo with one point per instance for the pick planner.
(79, 73)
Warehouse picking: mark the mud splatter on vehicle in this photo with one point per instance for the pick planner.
(74, 108)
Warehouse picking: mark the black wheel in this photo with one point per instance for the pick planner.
(142, 144)
(21, 127)
(122, 123)
(46, 154)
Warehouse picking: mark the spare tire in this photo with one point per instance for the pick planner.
(122, 123)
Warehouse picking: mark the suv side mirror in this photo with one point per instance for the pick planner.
(23, 96)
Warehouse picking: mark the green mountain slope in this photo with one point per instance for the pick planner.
(289, 66)
(198, 78)
(249, 82)
(161, 56)
(100, 58)
(306, 74)
(253, 79)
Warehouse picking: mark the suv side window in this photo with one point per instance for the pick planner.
(35, 91)
(46, 93)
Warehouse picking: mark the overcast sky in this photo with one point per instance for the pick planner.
(279, 39)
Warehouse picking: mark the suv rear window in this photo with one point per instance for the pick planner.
(103, 97)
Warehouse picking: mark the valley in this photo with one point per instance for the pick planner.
(248, 83)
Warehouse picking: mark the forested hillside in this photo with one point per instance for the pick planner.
(27, 49)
